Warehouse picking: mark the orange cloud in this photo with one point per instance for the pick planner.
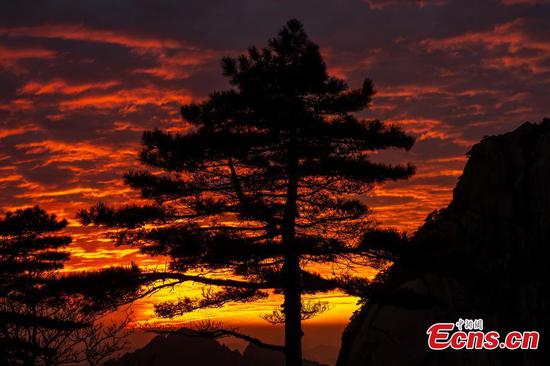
(382, 4)
(65, 152)
(127, 99)
(126, 126)
(179, 65)
(342, 69)
(17, 105)
(58, 193)
(407, 91)
(58, 86)
(82, 33)
(6, 132)
(511, 35)
(79, 151)
(9, 55)
(424, 128)
(10, 178)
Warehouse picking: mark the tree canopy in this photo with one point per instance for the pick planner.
(267, 178)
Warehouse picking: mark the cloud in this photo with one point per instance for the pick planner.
(509, 44)
(6, 132)
(180, 65)
(70, 151)
(381, 4)
(58, 86)
(10, 54)
(75, 32)
(126, 99)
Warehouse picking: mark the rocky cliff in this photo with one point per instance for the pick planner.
(484, 256)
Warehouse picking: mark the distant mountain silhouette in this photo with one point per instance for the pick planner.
(256, 356)
(178, 350)
(324, 353)
(484, 256)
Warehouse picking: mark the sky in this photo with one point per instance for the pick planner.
(80, 82)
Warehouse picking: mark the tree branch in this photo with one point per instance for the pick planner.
(158, 276)
(220, 333)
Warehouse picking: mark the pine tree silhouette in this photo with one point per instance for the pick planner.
(28, 252)
(266, 179)
(45, 319)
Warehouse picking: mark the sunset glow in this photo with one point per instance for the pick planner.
(77, 93)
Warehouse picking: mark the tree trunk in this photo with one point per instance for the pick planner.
(292, 310)
(291, 268)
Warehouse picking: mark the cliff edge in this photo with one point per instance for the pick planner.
(486, 256)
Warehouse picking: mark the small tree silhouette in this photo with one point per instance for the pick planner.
(43, 321)
(266, 179)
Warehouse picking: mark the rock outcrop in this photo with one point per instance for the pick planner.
(485, 256)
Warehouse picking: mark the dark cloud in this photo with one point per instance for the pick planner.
(48, 176)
